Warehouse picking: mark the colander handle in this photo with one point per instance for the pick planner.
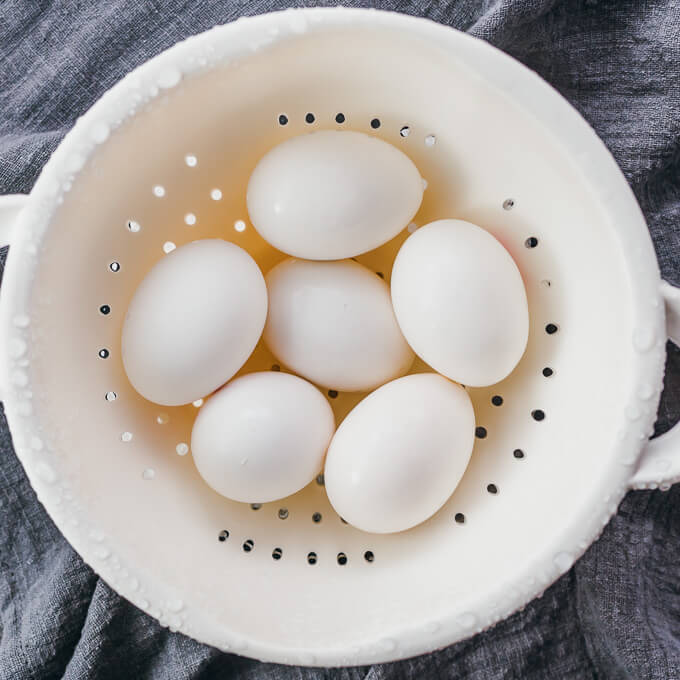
(10, 207)
(660, 463)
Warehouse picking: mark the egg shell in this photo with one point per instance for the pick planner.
(193, 322)
(333, 323)
(333, 194)
(460, 301)
(400, 453)
(262, 437)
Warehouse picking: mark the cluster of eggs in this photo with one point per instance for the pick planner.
(456, 300)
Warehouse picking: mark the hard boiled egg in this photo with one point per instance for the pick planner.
(400, 453)
(460, 301)
(262, 437)
(193, 322)
(333, 323)
(333, 194)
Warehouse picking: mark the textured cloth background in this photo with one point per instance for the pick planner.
(616, 614)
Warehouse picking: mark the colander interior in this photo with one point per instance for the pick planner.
(291, 574)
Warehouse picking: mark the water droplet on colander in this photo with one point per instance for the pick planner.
(191, 160)
(99, 132)
(149, 473)
(126, 436)
(159, 191)
(110, 396)
(182, 449)
(46, 472)
(563, 560)
(244, 461)
(162, 418)
(20, 378)
(424, 181)
(133, 226)
(21, 321)
(175, 605)
(169, 77)
(467, 620)
(36, 443)
(102, 553)
(190, 219)
(646, 392)
(633, 412)
(240, 225)
(16, 348)
(430, 140)
(643, 339)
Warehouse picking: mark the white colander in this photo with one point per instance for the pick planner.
(164, 158)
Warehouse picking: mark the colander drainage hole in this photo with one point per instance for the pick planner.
(110, 396)
(497, 400)
(547, 371)
(255, 506)
(551, 328)
(283, 513)
(216, 194)
(342, 559)
(114, 266)
(240, 225)
(276, 553)
(168, 247)
(223, 536)
(133, 226)
(248, 545)
(531, 242)
(459, 517)
(380, 274)
(332, 394)
(538, 415)
(103, 353)
(375, 123)
(105, 309)
(405, 131)
(480, 432)
(309, 118)
(276, 367)
(311, 558)
(508, 204)
(316, 517)
(340, 118)
(320, 479)
(492, 489)
(518, 453)
(369, 556)
(283, 119)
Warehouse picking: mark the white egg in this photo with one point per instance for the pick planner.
(333, 323)
(400, 453)
(193, 322)
(331, 194)
(262, 437)
(460, 301)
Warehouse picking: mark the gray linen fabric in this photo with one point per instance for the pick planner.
(616, 614)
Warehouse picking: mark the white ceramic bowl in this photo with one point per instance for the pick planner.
(498, 147)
